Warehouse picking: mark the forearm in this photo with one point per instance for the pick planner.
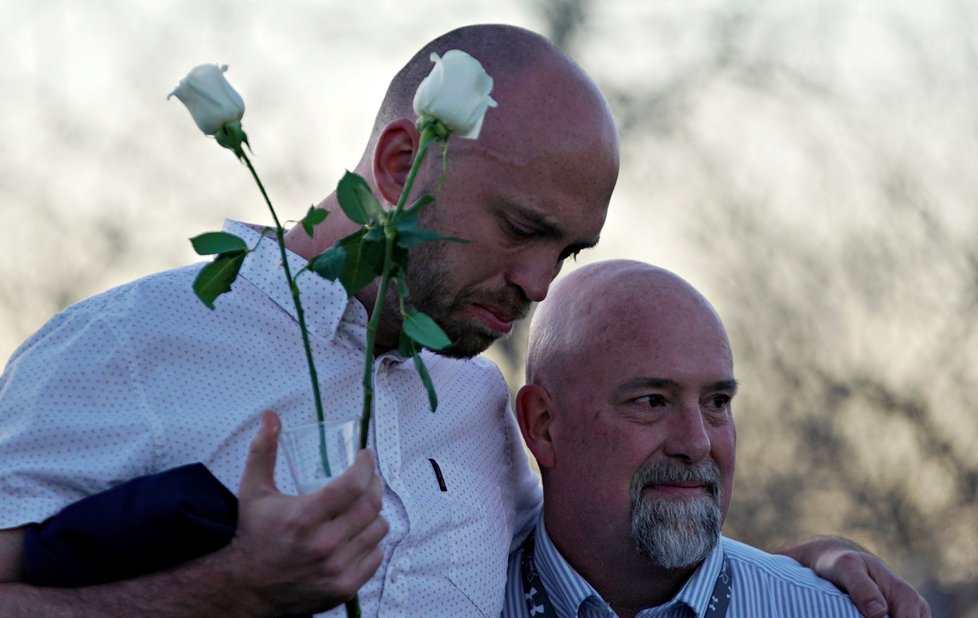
(202, 588)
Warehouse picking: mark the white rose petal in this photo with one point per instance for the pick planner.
(456, 92)
(211, 100)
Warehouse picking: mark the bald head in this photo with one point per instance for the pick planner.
(539, 89)
(600, 306)
(504, 51)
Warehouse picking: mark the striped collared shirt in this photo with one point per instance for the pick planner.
(764, 585)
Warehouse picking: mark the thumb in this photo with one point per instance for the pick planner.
(259, 471)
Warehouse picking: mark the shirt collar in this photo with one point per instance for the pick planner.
(564, 585)
(324, 302)
(568, 591)
(698, 589)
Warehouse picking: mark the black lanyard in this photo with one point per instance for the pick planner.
(538, 604)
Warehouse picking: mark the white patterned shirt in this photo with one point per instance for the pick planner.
(763, 585)
(144, 377)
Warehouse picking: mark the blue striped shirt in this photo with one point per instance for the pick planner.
(764, 585)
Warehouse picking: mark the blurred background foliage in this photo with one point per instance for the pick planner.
(808, 165)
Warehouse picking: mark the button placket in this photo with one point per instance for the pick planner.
(388, 445)
(386, 431)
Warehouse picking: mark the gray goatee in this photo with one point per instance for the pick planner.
(675, 533)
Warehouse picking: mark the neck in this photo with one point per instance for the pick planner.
(389, 327)
(335, 227)
(628, 581)
(647, 585)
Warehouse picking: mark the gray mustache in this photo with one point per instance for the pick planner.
(705, 472)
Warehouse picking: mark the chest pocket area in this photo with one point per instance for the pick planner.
(481, 534)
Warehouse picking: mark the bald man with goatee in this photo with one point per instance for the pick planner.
(628, 409)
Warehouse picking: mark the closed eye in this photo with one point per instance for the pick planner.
(517, 231)
(571, 252)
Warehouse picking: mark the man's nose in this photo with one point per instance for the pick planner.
(533, 275)
(687, 437)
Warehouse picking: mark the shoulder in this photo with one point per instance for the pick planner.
(148, 296)
(782, 584)
(476, 366)
(476, 379)
(95, 316)
(765, 568)
(106, 339)
(138, 297)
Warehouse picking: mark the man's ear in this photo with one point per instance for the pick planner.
(393, 156)
(535, 415)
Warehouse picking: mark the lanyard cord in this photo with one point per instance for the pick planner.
(538, 603)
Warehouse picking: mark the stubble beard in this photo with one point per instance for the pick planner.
(431, 295)
(429, 281)
(675, 533)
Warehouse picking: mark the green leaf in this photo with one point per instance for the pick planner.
(424, 330)
(409, 234)
(417, 205)
(216, 278)
(329, 263)
(210, 243)
(374, 232)
(364, 261)
(426, 380)
(401, 281)
(405, 346)
(399, 259)
(409, 349)
(314, 217)
(357, 201)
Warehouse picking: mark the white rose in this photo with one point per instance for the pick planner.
(456, 92)
(209, 97)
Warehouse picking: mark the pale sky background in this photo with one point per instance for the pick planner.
(89, 135)
(824, 118)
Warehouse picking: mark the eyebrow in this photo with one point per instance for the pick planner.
(729, 386)
(547, 227)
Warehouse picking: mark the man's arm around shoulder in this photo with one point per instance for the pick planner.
(874, 588)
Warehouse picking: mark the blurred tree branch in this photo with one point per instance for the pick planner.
(833, 217)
